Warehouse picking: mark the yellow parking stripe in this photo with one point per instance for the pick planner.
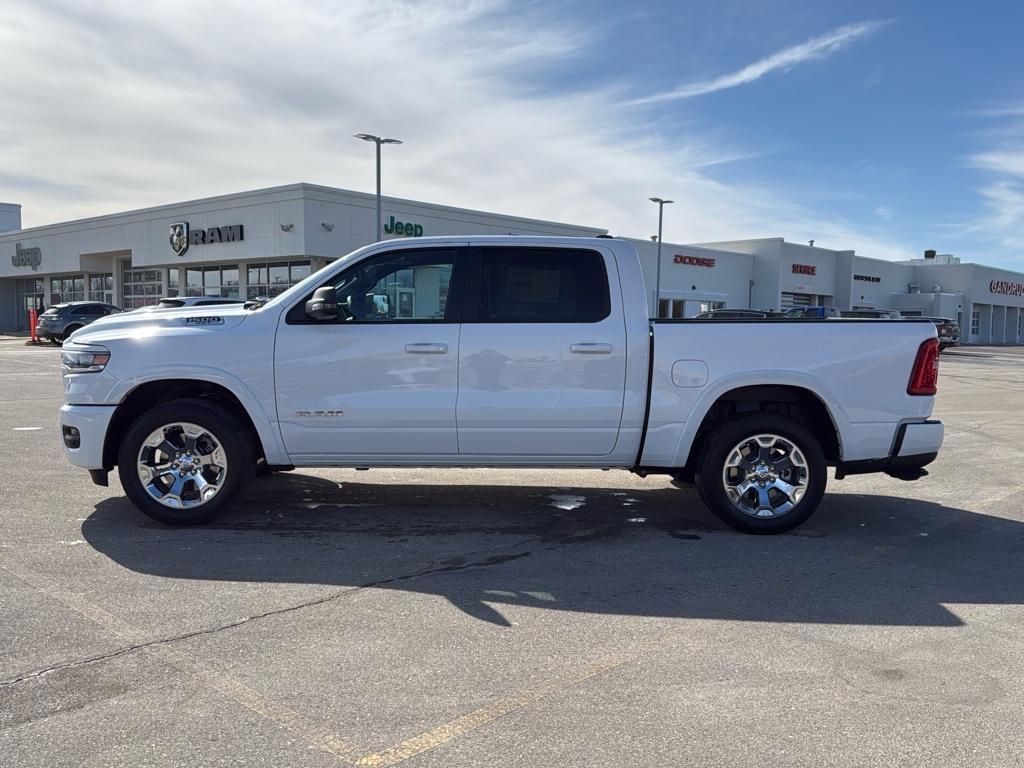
(190, 664)
(435, 737)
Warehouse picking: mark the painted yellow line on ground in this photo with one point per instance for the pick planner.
(190, 664)
(442, 734)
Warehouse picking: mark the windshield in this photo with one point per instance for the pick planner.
(311, 282)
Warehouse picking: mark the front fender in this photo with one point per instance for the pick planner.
(264, 423)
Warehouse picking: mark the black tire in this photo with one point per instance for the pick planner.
(235, 438)
(67, 332)
(712, 464)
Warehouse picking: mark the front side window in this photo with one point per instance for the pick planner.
(401, 286)
(408, 285)
(541, 285)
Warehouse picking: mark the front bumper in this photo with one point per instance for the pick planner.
(916, 446)
(91, 421)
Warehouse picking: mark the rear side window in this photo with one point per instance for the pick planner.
(541, 285)
(90, 310)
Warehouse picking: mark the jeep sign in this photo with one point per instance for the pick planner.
(403, 229)
(27, 257)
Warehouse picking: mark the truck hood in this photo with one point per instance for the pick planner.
(161, 322)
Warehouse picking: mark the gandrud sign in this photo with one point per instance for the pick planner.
(181, 237)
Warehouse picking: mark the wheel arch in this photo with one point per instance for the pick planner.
(796, 401)
(160, 391)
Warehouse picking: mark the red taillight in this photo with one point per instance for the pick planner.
(924, 378)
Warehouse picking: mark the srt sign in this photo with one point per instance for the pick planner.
(182, 237)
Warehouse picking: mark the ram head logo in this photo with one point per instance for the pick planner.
(179, 237)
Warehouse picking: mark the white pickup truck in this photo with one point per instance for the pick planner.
(495, 352)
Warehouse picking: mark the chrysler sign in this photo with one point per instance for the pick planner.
(181, 237)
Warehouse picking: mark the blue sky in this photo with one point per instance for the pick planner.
(885, 127)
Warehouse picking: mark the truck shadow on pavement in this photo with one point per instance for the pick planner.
(862, 559)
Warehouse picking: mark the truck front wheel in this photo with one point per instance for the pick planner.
(182, 462)
(762, 474)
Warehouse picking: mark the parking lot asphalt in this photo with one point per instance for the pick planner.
(515, 618)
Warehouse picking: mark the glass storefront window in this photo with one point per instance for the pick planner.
(212, 281)
(275, 277)
(31, 292)
(140, 287)
(172, 281)
(67, 288)
(101, 287)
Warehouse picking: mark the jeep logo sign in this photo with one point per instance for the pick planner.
(181, 237)
(27, 257)
(403, 229)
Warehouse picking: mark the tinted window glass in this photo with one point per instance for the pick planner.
(90, 309)
(407, 285)
(542, 285)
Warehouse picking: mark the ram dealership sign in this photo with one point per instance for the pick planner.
(181, 237)
(27, 257)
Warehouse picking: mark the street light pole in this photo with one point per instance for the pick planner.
(657, 279)
(378, 141)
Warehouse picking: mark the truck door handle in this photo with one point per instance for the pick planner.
(590, 348)
(426, 348)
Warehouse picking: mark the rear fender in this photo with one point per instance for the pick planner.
(814, 386)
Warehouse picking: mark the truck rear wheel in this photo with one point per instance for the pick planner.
(762, 474)
(183, 462)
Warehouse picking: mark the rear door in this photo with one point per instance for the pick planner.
(542, 359)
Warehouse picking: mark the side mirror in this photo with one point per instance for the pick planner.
(323, 305)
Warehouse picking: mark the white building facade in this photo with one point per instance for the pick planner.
(242, 245)
(261, 242)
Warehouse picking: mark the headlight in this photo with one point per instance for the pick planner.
(85, 361)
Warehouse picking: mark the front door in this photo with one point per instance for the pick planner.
(382, 379)
(542, 360)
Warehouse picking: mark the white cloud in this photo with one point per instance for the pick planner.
(1005, 161)
(883, 212)
(121, 105)
(1003, 195)
(784, 60)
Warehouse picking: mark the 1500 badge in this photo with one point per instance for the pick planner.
(204, 320)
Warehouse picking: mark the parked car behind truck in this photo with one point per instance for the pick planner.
(495, 352)
(948, 331)
(61, 320)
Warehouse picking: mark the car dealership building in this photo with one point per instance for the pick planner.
(260, 242)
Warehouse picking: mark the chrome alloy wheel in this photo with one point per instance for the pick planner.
(182, 465)
(765, 476)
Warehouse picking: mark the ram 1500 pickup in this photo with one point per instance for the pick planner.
(495, 352)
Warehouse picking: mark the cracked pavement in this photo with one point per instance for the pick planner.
(512, 618)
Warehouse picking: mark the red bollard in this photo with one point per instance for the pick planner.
(33, 316)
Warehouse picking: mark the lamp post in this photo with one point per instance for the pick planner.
(378, 141)
(657, 278)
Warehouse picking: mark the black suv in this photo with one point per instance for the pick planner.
(61, 320)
